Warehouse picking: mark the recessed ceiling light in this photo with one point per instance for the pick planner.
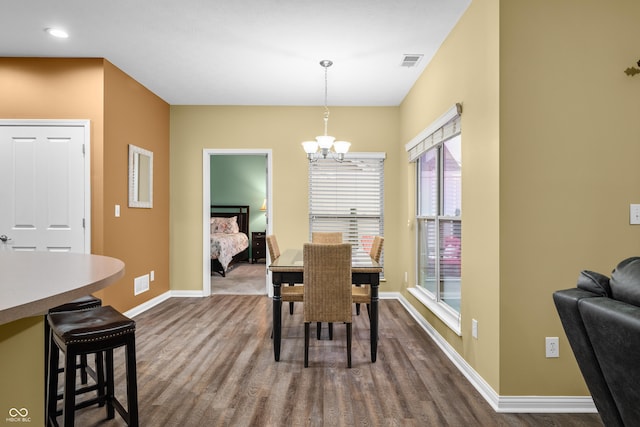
(57, 32)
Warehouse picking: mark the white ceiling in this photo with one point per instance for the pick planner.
(243, 52)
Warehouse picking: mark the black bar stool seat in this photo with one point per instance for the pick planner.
(75, 333)
(82, 303)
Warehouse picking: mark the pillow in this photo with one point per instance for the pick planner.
(625, 281)
(229, 225)
(594, 282)
(215, 223)
(225, 225)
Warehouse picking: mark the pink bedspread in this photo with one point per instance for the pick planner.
(224, 246)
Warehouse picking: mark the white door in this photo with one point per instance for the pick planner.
(43, 186)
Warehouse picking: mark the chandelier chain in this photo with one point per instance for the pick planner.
(326, 65)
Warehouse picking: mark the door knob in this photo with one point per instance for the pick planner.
(4, 239)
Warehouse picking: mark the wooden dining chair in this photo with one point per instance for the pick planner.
(291, 293)
(361, 294)
(326, 237)
(327, 289)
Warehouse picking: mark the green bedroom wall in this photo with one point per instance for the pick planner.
(240, 180)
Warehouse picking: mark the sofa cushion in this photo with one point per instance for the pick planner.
(625, 281)
(594, 282)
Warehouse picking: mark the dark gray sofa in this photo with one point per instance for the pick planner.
(601, 318)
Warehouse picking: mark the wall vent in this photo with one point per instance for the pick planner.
(411, 60)
(140, 284)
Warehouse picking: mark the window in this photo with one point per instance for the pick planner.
(348, 197)
(439, 216)
(439, 223)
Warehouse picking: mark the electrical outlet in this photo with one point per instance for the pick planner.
(552, 347)
(474, 328)
(634, 214)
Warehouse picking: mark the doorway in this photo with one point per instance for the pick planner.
(265, 224)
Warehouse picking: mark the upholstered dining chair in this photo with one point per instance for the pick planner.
(327, 289)
(289, 293)
(326, 237)
(361, 294)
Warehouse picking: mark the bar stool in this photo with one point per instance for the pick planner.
(83, 303)
(75, 333)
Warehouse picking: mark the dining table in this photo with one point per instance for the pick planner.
(288, 269)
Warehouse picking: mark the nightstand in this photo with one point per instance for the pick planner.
(258, 245)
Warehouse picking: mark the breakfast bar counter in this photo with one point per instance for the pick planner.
(33, 282)
(30, 284)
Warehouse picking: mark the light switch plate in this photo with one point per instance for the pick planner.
(634, 214)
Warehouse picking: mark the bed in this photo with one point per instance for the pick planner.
(229, 236)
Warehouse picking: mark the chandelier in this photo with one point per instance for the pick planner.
(325, 142)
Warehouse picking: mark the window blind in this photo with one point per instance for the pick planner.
(447, 126)
(348, 197)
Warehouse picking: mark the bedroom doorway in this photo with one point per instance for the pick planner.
(237, 177)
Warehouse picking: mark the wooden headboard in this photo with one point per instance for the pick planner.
(227, 211)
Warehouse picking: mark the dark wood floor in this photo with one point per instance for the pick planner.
(209, 362)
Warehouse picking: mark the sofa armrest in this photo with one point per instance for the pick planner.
(613, 328)
(567, 302)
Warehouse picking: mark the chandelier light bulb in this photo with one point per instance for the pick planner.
(325, 141)
(341, 147)
(310, 147)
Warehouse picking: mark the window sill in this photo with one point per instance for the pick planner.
(452, 321)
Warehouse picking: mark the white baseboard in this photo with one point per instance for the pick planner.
(515, 404)
(187, 294)
(161, 298)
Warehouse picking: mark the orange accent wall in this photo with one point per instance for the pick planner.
(140, 237)
(121, 112)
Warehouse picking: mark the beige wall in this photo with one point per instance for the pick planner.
(281, 129)
(466, 70)
(550, 153)
(569, 155)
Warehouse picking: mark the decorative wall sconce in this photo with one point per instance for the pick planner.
(632, 71)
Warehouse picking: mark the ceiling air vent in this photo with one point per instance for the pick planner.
(411, 60)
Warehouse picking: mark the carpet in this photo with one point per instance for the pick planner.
(241, 279)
